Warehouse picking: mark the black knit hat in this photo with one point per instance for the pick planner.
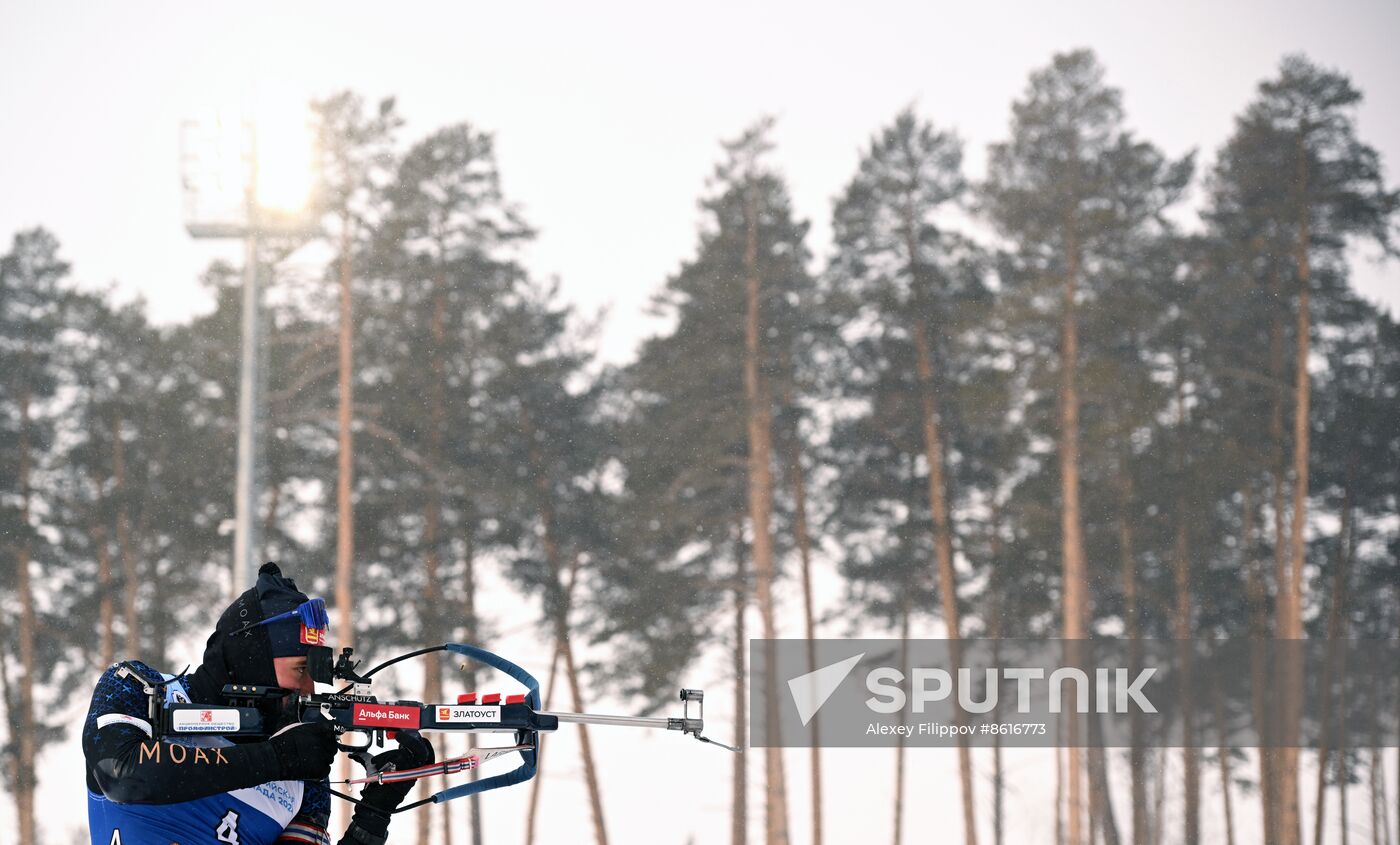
(246, 657)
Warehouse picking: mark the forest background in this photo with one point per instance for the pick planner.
(896, 400)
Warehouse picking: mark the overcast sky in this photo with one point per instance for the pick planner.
(607, 117)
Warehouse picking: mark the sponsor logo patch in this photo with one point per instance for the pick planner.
(468, 713)
(206, 721)
(385, 716)
(313, 636)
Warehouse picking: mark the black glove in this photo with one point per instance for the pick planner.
(378, 800)
(305, 751)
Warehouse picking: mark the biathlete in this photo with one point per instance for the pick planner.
(206, 790)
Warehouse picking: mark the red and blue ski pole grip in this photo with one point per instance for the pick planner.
(526, 770)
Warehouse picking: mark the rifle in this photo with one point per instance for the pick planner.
(354, 710)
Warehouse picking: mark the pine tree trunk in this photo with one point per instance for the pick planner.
(1226, 778)
(1343, 742)
(1378, 761)
(345, 465)
(561, 628)
(1159, 799)
(998, 784)
(1092, 814)
(590, 768)
(156, 619)
(1075, 598)
(1183, 627)
(131, 644)
(537, 784)
(1292, 623)
(739, 799)
(8, 697)
(1340, 763)
(1276, 433)
(1380, 814)
(1336, 632)
(899, 745)
(532, 813)
(106, 609)
(428, 616)
(1128, 561)
(345, 451)
(943, 551)
(432, 515)
(1190, 755)
(938, 505)
(471, 635)
(1256, 593)
(1102, 821)
(1060, 790)
(1270, 759)
(1102, 814)
(760, 510)
(804, 550)
(25, 781)
(995, 631)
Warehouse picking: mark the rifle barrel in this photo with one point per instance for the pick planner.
(620, 721)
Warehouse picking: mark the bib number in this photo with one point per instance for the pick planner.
(228, 828)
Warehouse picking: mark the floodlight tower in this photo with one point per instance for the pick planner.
(219, 173)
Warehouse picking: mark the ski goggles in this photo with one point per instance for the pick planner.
(312, 613)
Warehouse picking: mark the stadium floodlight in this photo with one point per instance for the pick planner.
(285, 171)
(241, 175)
(246, 179)
(217, 164)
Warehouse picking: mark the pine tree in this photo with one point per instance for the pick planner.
(746, 171)
(131, 495)
(30, 318)
(1350, 424)
(701, 400)
(1248, 322)
(1302, 124)
(356, 161)
(550, 453)
(443, 259)
(913, 279)
(112, 374)
(880, 510)
(1066, 187)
